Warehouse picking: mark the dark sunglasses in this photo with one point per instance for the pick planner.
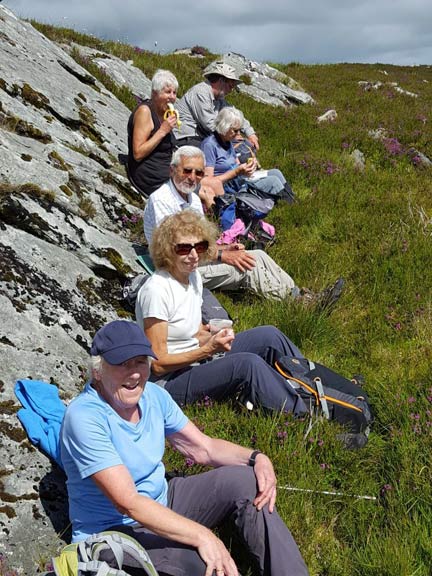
(184, 249)
(188, 171)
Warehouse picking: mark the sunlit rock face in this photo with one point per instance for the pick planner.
(64, 250)
(63, 255)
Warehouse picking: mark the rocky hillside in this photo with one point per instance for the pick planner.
(64, 249)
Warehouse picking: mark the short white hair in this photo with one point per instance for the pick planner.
(227, 118)
(163, 78)
(95, 364)
(186, 152)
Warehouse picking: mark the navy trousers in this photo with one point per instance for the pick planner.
(245, 372)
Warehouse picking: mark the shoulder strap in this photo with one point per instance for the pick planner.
(105, 554)
(96, 568)
(133, 553)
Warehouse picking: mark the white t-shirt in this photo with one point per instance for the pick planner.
(165, 298)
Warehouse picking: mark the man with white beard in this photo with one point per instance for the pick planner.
(233, 267)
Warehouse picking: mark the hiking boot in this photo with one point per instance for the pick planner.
(308, 297)
(328, 297)
(325, 299)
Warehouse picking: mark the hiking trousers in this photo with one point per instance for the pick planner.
(211, 499)
(266, 278)
(271, 184)
(245, 372)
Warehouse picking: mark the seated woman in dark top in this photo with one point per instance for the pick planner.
(151, 141)
(150, 138)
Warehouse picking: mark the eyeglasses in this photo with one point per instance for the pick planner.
(184, 249)
(236, 130)
(198, 172)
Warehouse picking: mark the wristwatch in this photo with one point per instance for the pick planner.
(252, 457)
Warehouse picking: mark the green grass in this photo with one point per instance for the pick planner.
(375, 229)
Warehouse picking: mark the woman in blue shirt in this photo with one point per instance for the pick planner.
(222, 161)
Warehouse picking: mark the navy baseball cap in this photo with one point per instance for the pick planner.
(120, 341)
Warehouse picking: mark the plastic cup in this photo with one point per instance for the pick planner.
(217, 324)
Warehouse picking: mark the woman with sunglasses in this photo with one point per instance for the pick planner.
(191, 362)
(223, 163)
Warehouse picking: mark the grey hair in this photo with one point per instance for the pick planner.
(163, 78)
(186, 152)
(226, 119)
(95, 365)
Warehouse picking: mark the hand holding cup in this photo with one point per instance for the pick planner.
(218, 324)
(222, 334)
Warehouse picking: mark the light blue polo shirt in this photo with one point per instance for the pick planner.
(95, 437)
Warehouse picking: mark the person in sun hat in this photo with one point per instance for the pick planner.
(200, 105)
(112, 445)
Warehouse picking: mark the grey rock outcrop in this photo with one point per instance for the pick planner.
(418, 158)
(368, 86)
(261, 81)
(63, 252)
(267, 84)
(121, 72)
(358, 160)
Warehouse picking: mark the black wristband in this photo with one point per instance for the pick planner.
(253, 456)
(219, 256)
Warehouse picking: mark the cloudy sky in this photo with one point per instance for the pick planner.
(309, 31)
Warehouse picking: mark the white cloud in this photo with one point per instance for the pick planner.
(389, 31)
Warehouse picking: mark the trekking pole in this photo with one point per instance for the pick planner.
(326, 492)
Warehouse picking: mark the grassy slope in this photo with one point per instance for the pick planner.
(374, 228)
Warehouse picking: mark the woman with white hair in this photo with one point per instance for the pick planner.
(150, 138)
(222, 161)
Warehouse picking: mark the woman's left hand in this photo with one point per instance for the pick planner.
(235, 246)
(266, 481)
(221, 341)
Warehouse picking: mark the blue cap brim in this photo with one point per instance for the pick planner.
(124, 353)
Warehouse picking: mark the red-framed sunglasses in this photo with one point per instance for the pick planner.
(184, 249)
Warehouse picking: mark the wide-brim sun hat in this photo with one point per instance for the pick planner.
(120, 341)
(223, 69)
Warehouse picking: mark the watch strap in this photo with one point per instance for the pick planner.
(253, 456)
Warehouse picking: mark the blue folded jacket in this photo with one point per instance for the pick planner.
(42, 415)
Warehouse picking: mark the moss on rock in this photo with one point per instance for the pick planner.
(12, 123)
(32, 96)
(116, 260)
(57, 161)
(87, 208)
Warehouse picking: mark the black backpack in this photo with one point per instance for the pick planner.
(130, 290)
(328, 394)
